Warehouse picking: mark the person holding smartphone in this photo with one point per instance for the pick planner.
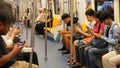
(7, 58)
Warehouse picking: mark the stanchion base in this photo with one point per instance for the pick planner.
(45, 58)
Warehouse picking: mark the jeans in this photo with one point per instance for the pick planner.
(90, 55)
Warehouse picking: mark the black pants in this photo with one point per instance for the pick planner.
(28, 23)
(26, 57)
(40, 28)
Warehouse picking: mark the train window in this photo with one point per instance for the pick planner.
(103, 5)
(56, 7)
(88, 4)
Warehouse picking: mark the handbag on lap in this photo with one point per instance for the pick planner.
(98, 43)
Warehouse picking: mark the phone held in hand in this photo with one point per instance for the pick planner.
(20, 44)
(87, 27)
(18, 27)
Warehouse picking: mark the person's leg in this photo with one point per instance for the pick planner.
(106, 59)
(63, 43)
(87, 56)
(74, 51)
(92, 52)
(114, 61)
(67, 41)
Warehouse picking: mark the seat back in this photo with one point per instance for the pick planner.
(55, 22)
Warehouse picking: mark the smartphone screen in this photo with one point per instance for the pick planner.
(20, 44)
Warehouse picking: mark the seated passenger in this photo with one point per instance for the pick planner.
(11, 39)
(7, 59)
(44, 17)
(90, 17)
(111, 59)
(110, 36)
(66, 33)
(24, 21)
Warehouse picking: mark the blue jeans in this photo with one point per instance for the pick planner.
(90, 55)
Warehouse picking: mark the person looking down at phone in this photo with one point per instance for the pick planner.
(7, 59)
(66, 33)
(97, 29)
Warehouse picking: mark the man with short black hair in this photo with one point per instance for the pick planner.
(66, 32)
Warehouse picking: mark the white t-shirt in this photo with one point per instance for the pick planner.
(91, 24)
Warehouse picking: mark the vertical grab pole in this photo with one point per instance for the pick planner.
(27, 21)
(71, 14)
(34, 3)
(16, 11)
(46, 58)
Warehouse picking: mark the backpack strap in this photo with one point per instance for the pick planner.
(99, 27)
(113, 27)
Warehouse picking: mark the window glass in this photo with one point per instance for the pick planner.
(56, 7)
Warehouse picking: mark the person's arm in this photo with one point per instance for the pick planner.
(80, 26)
(93, 33)
(5, 58)
(15, 32)
(64, 32)
(114, 39)
(82, 32)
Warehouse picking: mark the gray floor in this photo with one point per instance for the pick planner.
(55, 59)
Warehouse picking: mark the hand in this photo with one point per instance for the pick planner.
(48, 20)
(16, 31)
(17, 48)
(61, 31)
(98, 35)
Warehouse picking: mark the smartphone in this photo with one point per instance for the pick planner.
(87, 27)
(18, 27)
(20, 44)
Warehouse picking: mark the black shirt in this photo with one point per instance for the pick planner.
(4, 51)
(107, 32)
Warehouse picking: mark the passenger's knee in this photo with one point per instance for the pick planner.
(112, 61)
(91, 51)
(104, 58)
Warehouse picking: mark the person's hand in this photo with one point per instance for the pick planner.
(61, 31)
(17, 48)
(48, 20)
(16, 30)
(98, 35)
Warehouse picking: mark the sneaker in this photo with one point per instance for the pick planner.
(66, 52)
(62, 49)
(77, 66)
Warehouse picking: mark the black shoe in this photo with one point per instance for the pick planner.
(66, 52)
(62, 49)
(77, 66)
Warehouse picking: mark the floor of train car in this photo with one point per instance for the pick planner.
(55, 58)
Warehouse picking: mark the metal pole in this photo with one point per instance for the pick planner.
(46, 58)
(27, 21)
(32, 32)
(16, 12)
(71, 14)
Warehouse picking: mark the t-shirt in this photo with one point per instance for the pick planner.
(91, 24)
(98, 27)
(4, 51)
